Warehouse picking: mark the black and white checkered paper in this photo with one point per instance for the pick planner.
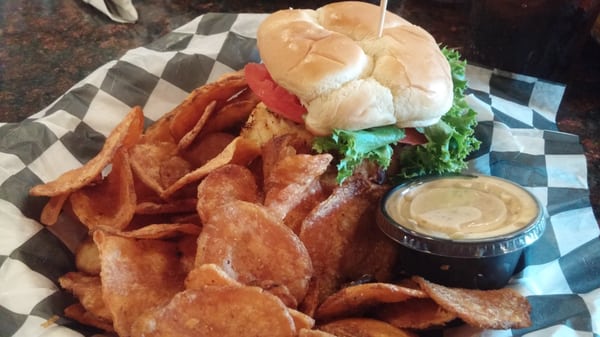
(561, 272)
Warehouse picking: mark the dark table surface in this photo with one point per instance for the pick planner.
(48, 46)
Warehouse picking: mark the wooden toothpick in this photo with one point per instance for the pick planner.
(382, 10)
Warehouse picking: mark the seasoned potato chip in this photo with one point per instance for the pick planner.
(356, 299)
(77, 312)
(156, 231)
(252, 246)
(52, 209)
(301, 320)
(314, 333)
(87, 257)
(172, 170)
(313, 196)
(414, 313)
(239, 151)
(206, 148)
(218, 312)
(125, 134)
(187, 114)
(233, 114)
(280, 147)
(147, 160)
(363, 327)
(191, 135)
(170, 206)
(289, 182)
(332, 229)
(487, 309)
(227, 183)
(209, 274)
(110, 202)
(88, 291)
(137, 275)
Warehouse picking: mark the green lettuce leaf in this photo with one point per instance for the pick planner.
(355, 146)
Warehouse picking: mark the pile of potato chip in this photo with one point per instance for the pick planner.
(218, 220)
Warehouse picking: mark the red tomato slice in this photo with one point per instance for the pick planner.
(413, 137)
(276, 98)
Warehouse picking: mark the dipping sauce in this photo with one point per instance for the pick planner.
(463, 207)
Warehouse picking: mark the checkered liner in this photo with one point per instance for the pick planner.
(561, 277)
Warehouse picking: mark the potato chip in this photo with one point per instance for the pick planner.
(227, 183)
(170, 206)
(52, 209)
(137, 275)
(146, 162)
(206, 148)
(187, 114)
(172, 169)
(252, 246)
(311, 300)
(314, 333)
(78, 313)
(156, 231)
(239, 151)
(414, 313)
(331, 230)
(279, 290)
(125, 134)
(313, 196)
(233, 114)
(87, 257)
(209, 274)
(88, 291)
(486, 309)
(280, 147)
(110, 202)
(363, 327)
(191, 135)
(288, 183)
(356, 299)
(218, 312)
(301, 320)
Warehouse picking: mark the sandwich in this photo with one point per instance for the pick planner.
(365, 93)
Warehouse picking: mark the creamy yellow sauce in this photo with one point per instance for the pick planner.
(463, 208)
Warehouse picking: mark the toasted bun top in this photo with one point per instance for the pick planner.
(347, 76)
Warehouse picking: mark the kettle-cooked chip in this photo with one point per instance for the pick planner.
(156, 231)
(487, 309)
(220, 311)
(364, 327)
(206, 148)
(186, 115)
(208, 274)
(87, 257)
(137, 275)
(88, 291)
(246, 241)
(110, 202)
(356, 299)
(78, 313)
(332, 229)
(414, 313)
(124, 135)
(227, 183)
(290, 180)
(239, 151)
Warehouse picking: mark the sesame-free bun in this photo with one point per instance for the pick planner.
(347, 76)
